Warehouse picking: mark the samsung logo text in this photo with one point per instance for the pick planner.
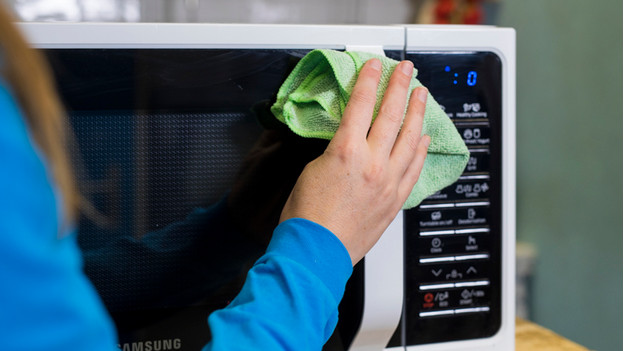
(153, 345)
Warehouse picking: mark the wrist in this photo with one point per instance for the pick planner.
(316, 248)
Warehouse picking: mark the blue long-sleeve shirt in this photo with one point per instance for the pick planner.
(289, 300)
(291, 295)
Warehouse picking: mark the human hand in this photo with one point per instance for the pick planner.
(358, 185)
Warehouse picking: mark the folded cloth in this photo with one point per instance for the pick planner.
(313, 98)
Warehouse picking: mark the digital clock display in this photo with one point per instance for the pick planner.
(469, 78)
(461, 82)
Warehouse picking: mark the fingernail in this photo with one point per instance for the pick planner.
(422, 95)
(407, 67)
(427, 140)
(375, 64)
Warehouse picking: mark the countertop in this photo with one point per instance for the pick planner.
(532, 337)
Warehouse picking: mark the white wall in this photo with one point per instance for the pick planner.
(279, 11)
(220, 11)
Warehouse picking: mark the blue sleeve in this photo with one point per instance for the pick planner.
(46, 301)
(291, 295)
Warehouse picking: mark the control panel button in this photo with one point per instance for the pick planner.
(479, 160)
(461, 284)
(436, 300)
(454, 231)
(457, 311)
(448, 297)
(461, 214)
(471, 110)
(472, 214)
(436, 313)
(436, 245)
(469, 187)
(457, 258)
(452, 245)
(471, 296)
(475, 134)
(472, 310)
(445, 272)
(435, 218)
(425, 260)
(437, 286)
(472, 243)
(478, 256)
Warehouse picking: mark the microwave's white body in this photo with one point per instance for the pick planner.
(385, 306)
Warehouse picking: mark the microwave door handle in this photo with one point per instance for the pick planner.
(373, 49)
(383, 290)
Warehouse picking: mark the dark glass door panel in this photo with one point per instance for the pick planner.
(187, 171)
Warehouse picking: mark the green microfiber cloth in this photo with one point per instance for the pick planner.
(314, 96)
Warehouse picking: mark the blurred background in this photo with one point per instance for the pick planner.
(569, 129)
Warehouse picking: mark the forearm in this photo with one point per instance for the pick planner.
(291, 295)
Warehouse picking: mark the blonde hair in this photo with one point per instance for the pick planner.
(29, 78)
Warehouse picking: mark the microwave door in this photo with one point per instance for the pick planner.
(187, 171)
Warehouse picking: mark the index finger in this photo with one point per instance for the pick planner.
(358, 114)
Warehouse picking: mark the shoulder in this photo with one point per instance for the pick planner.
(25, 185)
(16, 147)
(13, 131)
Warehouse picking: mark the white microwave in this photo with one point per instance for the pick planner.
(180, 155)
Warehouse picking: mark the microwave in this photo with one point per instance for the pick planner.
(187, 172)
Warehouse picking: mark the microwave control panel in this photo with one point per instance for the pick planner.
(453, 239)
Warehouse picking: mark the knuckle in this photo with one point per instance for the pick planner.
(344, 151)
(412, 141)
(399, 82)
(388, 192)
(392, 112)
(374, 174)
(422, 147)
(360, 96)
(404, 80)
